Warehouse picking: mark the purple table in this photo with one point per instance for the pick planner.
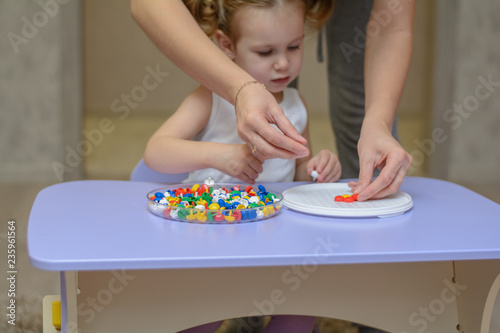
(432, 268)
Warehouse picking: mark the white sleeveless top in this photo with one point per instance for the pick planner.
(221, 127)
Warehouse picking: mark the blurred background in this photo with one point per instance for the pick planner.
(83, 64)
(82, 89)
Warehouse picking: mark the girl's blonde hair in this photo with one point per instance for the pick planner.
(212, 15)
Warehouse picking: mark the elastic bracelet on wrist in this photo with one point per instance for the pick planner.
(243, 86)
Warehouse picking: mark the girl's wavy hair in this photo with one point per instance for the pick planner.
(212, 15)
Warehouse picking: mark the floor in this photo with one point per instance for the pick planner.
(114, 158)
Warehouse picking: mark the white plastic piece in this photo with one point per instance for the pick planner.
(254, 199)
(314, 175)
(209, 181)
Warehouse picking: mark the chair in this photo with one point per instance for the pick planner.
(143, 173)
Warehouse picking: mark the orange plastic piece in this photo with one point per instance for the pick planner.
(339, 198)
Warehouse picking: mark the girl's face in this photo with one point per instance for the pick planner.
(269, 43)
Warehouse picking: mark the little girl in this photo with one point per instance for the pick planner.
(265, 38)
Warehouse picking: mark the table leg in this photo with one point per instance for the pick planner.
(479, 283)
(397, 297)
(69, 291)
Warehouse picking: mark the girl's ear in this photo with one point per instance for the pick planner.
(225, 43)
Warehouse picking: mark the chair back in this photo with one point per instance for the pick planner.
(142, 173)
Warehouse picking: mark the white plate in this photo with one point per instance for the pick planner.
(319, 199)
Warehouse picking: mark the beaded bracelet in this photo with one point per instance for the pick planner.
(243, 86)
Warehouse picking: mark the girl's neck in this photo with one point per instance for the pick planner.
(278, 96)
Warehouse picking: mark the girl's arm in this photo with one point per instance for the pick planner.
(171, 149)
(387, 59)
(169, 24)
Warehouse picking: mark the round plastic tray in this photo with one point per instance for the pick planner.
(319, 199)
(194, 212)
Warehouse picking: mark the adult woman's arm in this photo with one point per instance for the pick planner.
(387, 59)
(174, 31)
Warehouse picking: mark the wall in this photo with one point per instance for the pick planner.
(40, 90)
(466, 103)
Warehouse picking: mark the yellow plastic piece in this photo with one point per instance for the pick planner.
(202, 217)
(191, 216)
(346, 195)
(174, 201)
(56, 314)
(201, 202)
(214, 206)
(266, 211)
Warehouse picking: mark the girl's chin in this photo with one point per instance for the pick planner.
(276, 88)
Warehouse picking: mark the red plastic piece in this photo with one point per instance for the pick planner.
(219, 217)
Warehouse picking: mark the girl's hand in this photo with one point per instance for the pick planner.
(238, 161)
(327, 165)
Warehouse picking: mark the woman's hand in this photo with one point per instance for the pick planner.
(377, 148)
(256, 109)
